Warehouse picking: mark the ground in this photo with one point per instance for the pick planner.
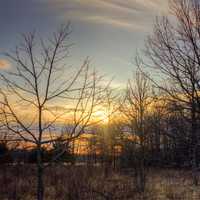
(90, 183)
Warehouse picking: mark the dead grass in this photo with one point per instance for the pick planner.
(89, 183)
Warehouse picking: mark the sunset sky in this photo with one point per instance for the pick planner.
(108, 31)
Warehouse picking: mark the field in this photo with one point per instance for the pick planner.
(89, 183)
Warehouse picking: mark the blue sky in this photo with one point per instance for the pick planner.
(108, 31)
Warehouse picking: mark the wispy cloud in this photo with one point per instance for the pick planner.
(129, 14)
(128, 5)
(113, 22)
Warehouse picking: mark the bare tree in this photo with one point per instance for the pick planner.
(156, 124)
(174, 51)
(136, 108)
(43, 99)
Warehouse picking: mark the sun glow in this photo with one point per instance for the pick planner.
(102, 116)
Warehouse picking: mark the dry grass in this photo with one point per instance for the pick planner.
(89, 183)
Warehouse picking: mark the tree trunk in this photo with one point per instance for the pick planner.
(142, 178)
(140, 172)
(194, 167)
(40, 172)
(194, 145)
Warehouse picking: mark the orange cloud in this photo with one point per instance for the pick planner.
(4, 64)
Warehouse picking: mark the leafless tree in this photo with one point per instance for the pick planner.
(174, 53)
(136, 108)
(44, 100)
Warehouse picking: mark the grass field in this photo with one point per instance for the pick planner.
(89, 183)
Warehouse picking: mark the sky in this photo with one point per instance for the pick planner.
(108, 31)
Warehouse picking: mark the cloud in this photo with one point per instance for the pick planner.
(4, 64)
(129, 5)
(113, 22)
(129, 14)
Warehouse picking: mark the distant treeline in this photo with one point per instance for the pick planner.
(167, 143)
(20, 155)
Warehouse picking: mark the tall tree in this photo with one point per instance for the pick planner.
(136, 108)
(174, 49)
(41, 94)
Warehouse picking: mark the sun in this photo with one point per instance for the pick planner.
(102, 116)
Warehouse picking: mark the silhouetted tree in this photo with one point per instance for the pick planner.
(174, 51)
(41, 94)
(136, 108)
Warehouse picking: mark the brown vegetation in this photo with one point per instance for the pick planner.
(89, 183)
